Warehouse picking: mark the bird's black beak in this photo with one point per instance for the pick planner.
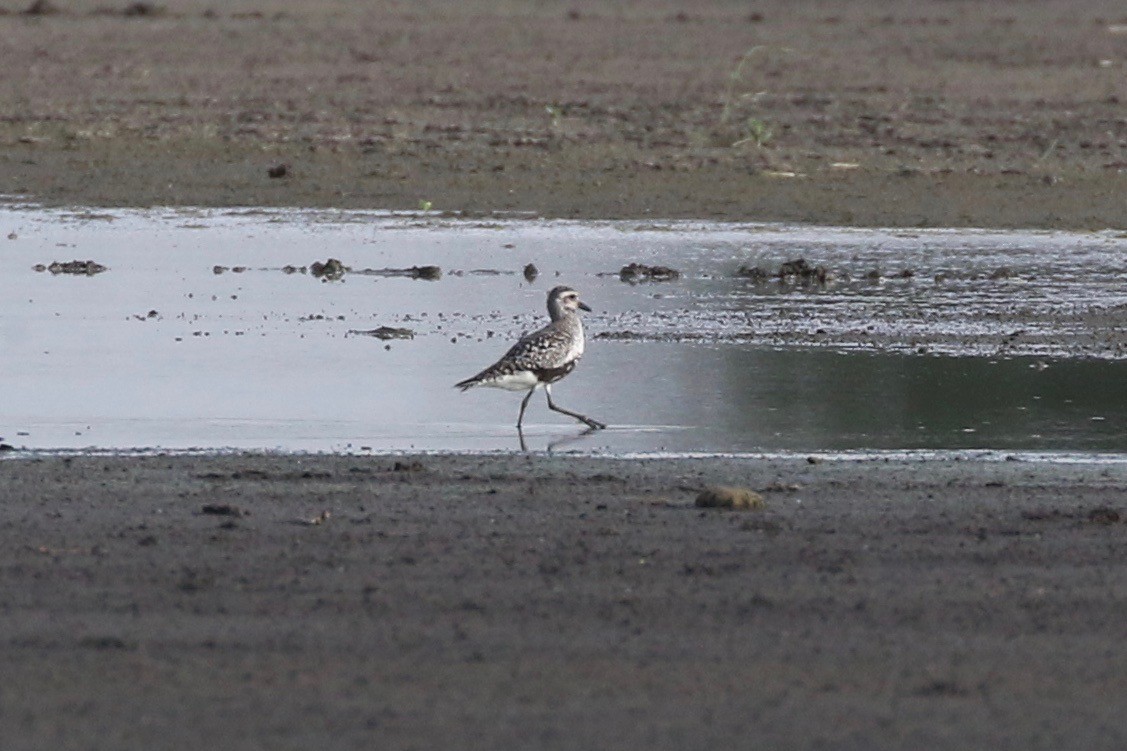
(585, 306)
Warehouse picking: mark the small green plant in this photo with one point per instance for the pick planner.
(757, 132)
(740, 124)
(425, 205)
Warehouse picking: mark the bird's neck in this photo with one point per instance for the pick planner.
(569, 320)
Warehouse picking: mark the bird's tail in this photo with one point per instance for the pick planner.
(467, 384)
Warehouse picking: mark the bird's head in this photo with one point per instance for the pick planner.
(563, 300)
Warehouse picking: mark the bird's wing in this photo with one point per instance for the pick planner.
(544, 349)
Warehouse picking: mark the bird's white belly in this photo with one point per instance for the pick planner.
(522, 380)
(575, 351)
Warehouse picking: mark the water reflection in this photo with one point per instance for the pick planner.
(744, 398)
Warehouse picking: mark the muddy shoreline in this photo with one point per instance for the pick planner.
(559, 602)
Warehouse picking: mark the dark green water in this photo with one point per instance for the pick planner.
(732, 398)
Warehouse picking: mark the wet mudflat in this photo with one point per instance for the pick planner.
(560, 602)
(344, 331)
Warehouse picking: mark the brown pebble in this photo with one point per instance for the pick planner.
(731, 497)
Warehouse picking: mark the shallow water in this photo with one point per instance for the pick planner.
(160, 351)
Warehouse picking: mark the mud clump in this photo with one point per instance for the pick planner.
(531, 272)
(77, 268)
(222, 509)
(427, 273)
(730, 497)
(799, 270)
(330, 270)
(143, 9)
(386, 332)
(278, 171)
(639, 272)
(754, 273)
(42, 8)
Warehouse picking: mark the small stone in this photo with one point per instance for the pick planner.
(730, 497)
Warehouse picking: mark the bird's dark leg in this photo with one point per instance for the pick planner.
(593, 424)
(523, 404)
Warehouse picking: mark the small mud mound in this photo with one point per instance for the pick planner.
(797, 271)
(638, 272)
(78, 268)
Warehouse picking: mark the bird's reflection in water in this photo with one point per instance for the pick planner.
(559, 442)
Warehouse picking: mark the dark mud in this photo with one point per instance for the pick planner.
(516, 602)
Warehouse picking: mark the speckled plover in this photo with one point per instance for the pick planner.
(542, 357)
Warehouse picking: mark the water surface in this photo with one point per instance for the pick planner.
(160, 351)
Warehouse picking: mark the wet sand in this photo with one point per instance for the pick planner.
(557, 602)
(560, 602)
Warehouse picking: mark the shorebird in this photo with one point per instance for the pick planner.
(542, 357)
